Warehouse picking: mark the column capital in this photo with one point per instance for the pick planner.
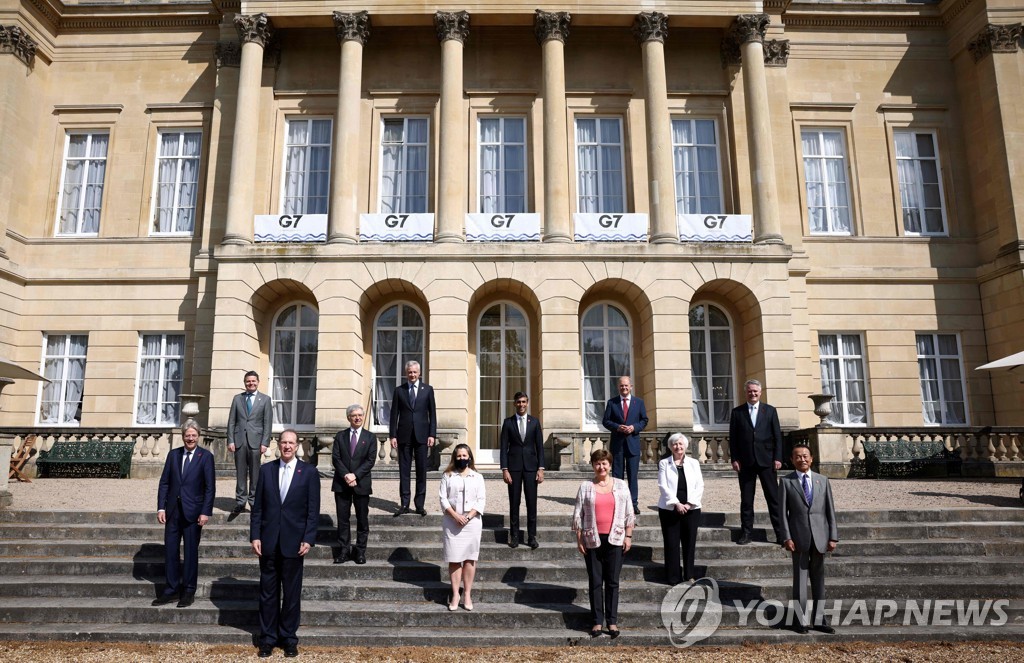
(551, 25)
(995, 39)
(749, 27)
(254, 27)
(650, 26)
(352, 27)
(776, 52)
(17, 42)
(452, 25)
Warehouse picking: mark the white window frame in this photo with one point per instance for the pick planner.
(162, 379)
(612, 379)
(492, 455)
(937, 357)
(305, 197)
(404, 164)
(842, 358)
(279, 425)
(919, 183)
(729, 397)
(501, 145)
(398, 330)
(65, 358)
(830, 206)
(599, 144)
(85, 174)
(694, 149)
(179, 160)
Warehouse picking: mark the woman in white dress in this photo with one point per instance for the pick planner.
(462, 502)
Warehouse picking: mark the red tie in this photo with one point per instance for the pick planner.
(625, 409)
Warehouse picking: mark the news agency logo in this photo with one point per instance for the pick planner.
(691, 613)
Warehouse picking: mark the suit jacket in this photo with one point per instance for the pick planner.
(251, 429)
(521, 455)
(287, 525)
(358, 464)
(668, 482)
(813, 525)
(613, 419)
(759, 445)
(413, 423)
(194, 492)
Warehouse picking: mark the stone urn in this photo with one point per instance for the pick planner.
(822, 407)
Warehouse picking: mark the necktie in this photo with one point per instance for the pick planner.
(807, 490)
(522, 428)
(248, 403)
(753, 415)
(412, 391)
(285, 480)
(625, 408)
(353, 440)
(188, 461)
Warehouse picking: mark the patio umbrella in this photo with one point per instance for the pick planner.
(1011, 362)
(10, 370)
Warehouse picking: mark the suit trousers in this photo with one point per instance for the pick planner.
(279, 620)
(181, 578)
(247, 469)
(523, 482)
(624, 464)
(749, 476)
(809, 563)
(603, 566)
(406, 453)
(679, 532)
(343, 501)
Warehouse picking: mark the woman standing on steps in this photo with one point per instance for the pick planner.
(681, 487)
(462, 502)
(603, 521)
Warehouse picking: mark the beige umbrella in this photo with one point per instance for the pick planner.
(1011, 362)
(10, 370)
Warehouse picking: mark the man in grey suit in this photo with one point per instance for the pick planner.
(353, 456)
(249, 425)
(808, 530)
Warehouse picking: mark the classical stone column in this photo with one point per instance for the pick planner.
(353, 31)
(748, 31)
(254, 31)
(452, 172)
(18, 43)
(651, 29)
(551, 30)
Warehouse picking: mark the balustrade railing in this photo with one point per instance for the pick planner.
(987, 444)
(711, 448)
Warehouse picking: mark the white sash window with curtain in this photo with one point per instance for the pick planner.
(943, 392)
(60, 399)
(403, 165)
(85, 166)
(841, 357)
(161, 365)
(307, 166)
(503, 368)
(502, 165)
(177, 182)
(695, 157)
(711, 366)
(293, 360)
(607, 347)
(828, 193)
(600, 180)
(398, 337)
(921, 198)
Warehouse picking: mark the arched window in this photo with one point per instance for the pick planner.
(293, 365)
(607, 345)
(711, 365)
(398, 337)
(503, 368)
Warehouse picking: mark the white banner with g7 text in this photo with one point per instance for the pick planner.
(396, 227)
(610, 227)
(303, 228)
(521, 227)
(715, 228)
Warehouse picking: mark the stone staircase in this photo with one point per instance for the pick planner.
(91, 576)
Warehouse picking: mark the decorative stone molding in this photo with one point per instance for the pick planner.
(254, 27)
(749, 27)
(730, 52)
(352, 27)
(551, 25)
(229, 54)
(650, 26)
(17, 42)
(995, 39)
(745, 29)
(452, 25)
(776, 52)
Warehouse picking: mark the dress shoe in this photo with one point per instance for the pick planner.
(533, 543)
(613, 632)
(801, 629)
(265, 651)
(636, 510)
(291, 652)
(744, 539)
(187, 600)
(421, 511)
(824, 628)
(341, 556)
(596, 632)
(359, 557)
(239, 508)
(164, 599)
(468, 605)
(402, 510)
(513, 539)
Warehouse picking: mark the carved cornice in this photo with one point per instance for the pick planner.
(17, 42)
(776, 52)
(551, 25)
(650, 26)
(749, 27)
(452, 25)
(864, 22)
(254, 27)
(352, 27)
(995, 39)
(229, 54)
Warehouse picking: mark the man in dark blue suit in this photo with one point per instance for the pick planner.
(412, 430)
(755, 445)
(282, 530)
(353, 456)
(184, 504)
(522, 467)
(625, 416)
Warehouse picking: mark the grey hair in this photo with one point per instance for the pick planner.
(352, 408)
(751, 382)
(193, 424)
(412, 362)
(676, 436)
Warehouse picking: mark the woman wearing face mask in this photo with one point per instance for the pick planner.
(462, 502)
(603, 521)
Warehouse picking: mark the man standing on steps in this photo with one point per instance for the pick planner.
(412, 430)
(755, 445)
(522, 467)
(250, 421)
(282, 530)
(625, 416)
(808, 530)
(353, 456)
(184, 505)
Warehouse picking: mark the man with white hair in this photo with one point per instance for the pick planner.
(413, 431)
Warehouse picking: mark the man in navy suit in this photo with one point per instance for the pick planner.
(282, 530)
(184, 504)
(353, 456)
(625, 416)
(755, 444)
(412, 430)
(522, 467)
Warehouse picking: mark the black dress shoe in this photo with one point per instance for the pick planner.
(265, 651)
(744, 539)
(421, 511)
(824, 628)
(164, 599)
(359, 557)
(402, 510)
(596, 632)
(801, 629)
(636, 510)
(533, 543)
(239, 508)
(341, 557)
(614, 633)
(513, 539)
(187, 600)
(291, 652)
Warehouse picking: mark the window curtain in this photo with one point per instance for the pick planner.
(174, 348)
(188, 191)
(587, 154)
(928, 370)
(62, 396)
(94, 184)
(296, 165)
(856, 392)
(149, 381)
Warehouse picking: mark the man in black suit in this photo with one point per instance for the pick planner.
(282, 530)
(353, 456)
(522, 467)
(250, 421)
(755, 444)
(625, 416)
(412, 430)
(184, 504)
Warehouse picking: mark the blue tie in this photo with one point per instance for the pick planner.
(807, 490)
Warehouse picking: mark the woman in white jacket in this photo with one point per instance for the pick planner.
(681, 488)
(462, 502)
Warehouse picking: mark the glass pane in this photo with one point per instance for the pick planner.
(411, 317)
(389, 318)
